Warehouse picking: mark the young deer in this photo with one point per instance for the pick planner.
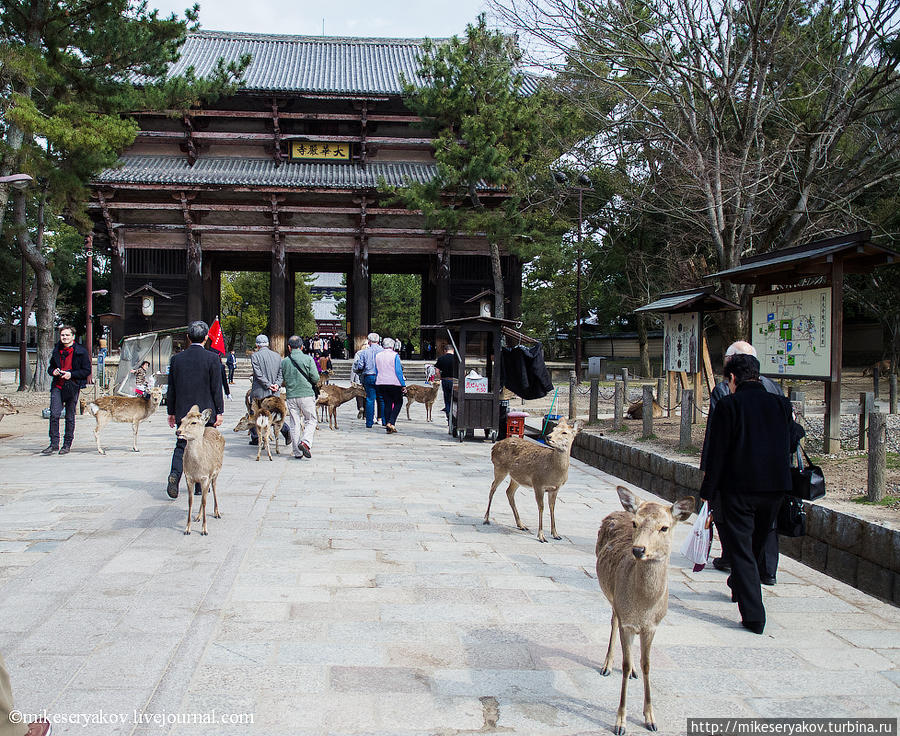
(6, 407)
(128, 409)
(277, 408)
(260, 418)
(332, 396)
(545, 468)
(203, 457)
(633, 549)
(423, 394)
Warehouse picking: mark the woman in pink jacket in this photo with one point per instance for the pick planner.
(390, 384)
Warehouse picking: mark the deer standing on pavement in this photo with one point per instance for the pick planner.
(332, 396)
(262, 419)
(203, 457)
(128, 409)
(423, 394)
(545, 468)
(632, 550)
(276, 406)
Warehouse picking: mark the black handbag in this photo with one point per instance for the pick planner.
(791, 517)
(807, 480)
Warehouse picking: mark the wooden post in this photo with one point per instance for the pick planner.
(687, 409)
(877, 447)
(277, 289)
(697, 398)
(671, 392)
(625, 382)
(875, 380)
(893, 394)
(573, 394)
(866, 402)
(659, 391)
(359, 305)
(832, 441)
(648, 412)
(117, 286)
(618, 404)
(595, 400)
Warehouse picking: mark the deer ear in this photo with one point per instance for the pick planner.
(683, 508)
(629, 500)
(207, 413)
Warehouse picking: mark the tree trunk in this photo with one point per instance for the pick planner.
(643, 346)
(497, 271)
(47, 291)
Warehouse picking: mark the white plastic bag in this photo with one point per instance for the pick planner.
(698, 543)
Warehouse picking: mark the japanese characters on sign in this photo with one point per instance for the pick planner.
(301, 150)
(681, 342)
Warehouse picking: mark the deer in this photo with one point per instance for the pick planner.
(545, 468)
(332, 396)
(884, 368)
(127, 409)
(261, 418)
(277, 408)
(633, 548)
(6, 407)
(636, 410)
(203, 457)
(423, 394)
(324, 378)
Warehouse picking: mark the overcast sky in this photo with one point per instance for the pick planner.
(386, 18)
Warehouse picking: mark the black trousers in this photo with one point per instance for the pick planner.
(57, 404)
(393, 400)
(447, 388)
(767, 562)
(747, 520)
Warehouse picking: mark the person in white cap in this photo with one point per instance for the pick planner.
(267, 379)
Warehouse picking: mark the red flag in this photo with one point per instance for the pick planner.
(216, 340)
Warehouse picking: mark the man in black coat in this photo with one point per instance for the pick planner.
(195, 377)
(747, 473)
(70, 366)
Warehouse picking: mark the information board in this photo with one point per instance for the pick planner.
(681, 342)
(791, 331)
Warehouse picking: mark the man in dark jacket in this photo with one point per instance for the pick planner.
(748, 471)
(195, 377)
(70, 366)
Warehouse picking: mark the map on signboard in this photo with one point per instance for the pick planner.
(791, 331)
(681, 342)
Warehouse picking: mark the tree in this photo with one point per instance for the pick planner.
(304, 321)
(70, 72)
(747, 126)
(491, 138)
(396, 301)
(245, 307)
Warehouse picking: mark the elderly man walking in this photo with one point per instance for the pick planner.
(300, 375)
(267, 379)
(364, 364)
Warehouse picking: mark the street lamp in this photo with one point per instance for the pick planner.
(20, 181)
(584, 183)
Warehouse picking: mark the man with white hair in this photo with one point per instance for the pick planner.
(768, 559)
(364, 365)
(267, 379)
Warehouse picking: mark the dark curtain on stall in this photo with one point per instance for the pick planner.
(523, 371)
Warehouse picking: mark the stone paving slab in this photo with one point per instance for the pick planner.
(360, 593)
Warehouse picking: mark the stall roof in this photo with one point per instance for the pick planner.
(691, 300)
(859, 253)
(507, 326)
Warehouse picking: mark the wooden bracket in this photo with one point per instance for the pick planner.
(276, 134)
(190, 144)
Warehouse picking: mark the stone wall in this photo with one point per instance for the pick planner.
(860, 553)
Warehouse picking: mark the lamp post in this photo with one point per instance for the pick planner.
(20, 181)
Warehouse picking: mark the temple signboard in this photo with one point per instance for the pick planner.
(305, 150)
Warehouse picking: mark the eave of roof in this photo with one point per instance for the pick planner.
(692, 300)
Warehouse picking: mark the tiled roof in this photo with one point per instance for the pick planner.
(317, 64)
(263, 172)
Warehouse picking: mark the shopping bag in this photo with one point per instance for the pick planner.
(698, 543)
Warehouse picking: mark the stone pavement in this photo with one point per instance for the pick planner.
(359, 593)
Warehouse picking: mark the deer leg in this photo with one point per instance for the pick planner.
(428, 412)
(262, 441)
(216, 513)
(511, 497)
(408, 402)
(204, 488)
(539, 498)
(551, 502)
(97, 430)
(626, 638)
(269, 446)
(498, 479)
(190, 495)
(646, 643)
(610, 650)
(134, 446)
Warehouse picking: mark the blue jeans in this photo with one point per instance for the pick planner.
(371, 398)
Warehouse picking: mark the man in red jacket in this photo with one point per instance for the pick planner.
(70, 366)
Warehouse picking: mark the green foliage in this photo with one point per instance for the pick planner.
(304, 322)
(886, 501)
(396, 302)
(245, 308)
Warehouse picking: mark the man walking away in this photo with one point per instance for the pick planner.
(70, 366)
(266, 365)
(195, 377)
(300, 375)
(365, 366)
(447, 367)
(231, 363)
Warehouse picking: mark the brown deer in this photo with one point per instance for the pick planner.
(633, 549)
(884, 368)
(127, 409)
(423, 394)
(321, 409)
(545, 468)
(636, 410)
(203, 457)
(277, 408)
(332, 396)
(6, 407)
(260, 418)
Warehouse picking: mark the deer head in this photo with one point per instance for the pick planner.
(194, 424)
(564, 434)
(653, 524)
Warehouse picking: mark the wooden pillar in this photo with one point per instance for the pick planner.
(211, 289)
(442, 285)
(833, 385)
(194, 279)
(277, 297)
(359, 295)
(117, 285)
